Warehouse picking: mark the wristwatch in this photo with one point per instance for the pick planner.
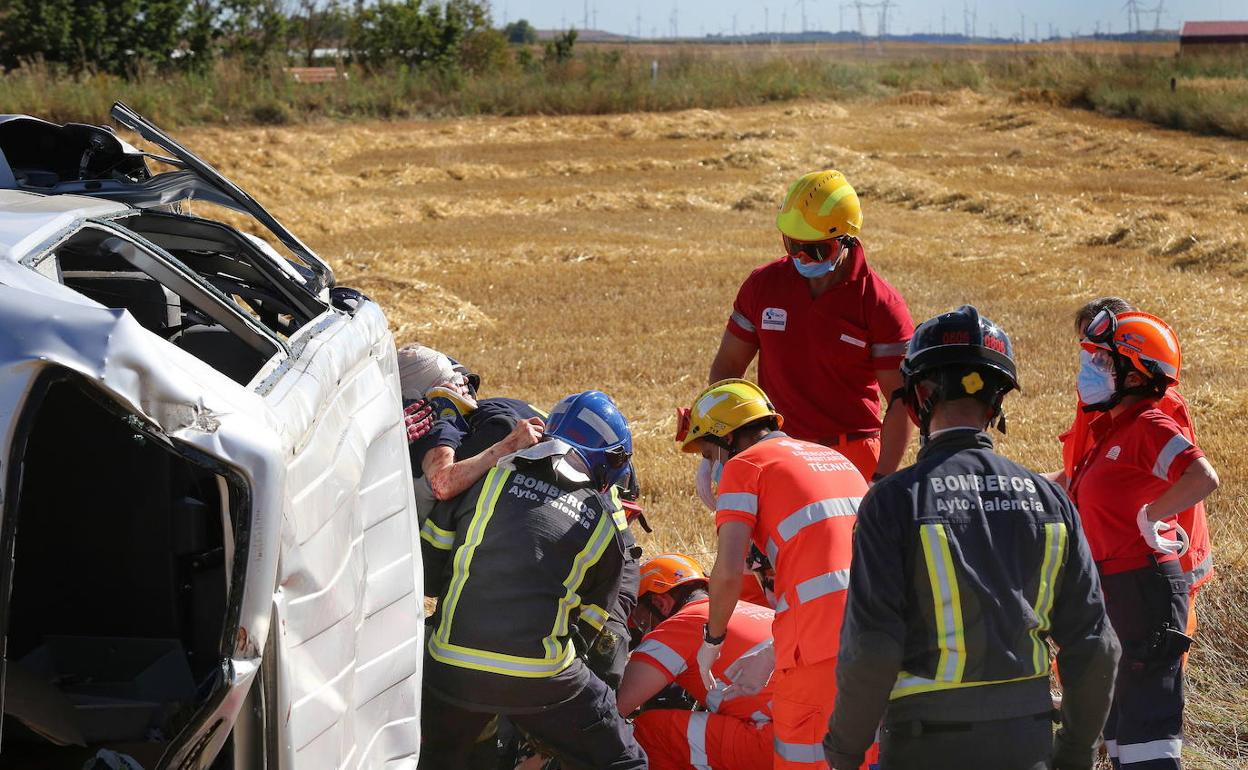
(715, 640)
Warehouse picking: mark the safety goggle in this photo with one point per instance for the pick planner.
(818, 251)
(1101, 328)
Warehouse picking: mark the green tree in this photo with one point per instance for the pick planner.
(254, 29)
(559, 50)
(520, 32)
(415, 33)
(201, 34)
(106, 35)
(316, 23)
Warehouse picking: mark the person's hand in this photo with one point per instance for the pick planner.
(751, 672)
(418, 418)
(1154, 533)
(524, 435)
(707, 655)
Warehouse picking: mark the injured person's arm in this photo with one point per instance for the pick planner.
(449, 478)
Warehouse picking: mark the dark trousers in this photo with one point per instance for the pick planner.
(1148, 609)
(1022, 743)
(585, 732)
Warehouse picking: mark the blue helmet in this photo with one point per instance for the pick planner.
(592, 425)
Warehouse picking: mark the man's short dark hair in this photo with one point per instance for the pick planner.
(1114, 305)
(683, 594)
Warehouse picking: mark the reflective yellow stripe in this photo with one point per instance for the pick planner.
(1054, 557)
(603, 534)
(946, 602)
(834, 198)
(442, 539)
(463, 557)
(618, 516)
(594, 615)
(909, 684)
(498, 663)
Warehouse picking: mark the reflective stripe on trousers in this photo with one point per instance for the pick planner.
(802, 699)
(1135, 753)
(809, 753)
(670, 736)
(696, 734)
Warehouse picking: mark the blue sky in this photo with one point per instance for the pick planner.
(695, 18)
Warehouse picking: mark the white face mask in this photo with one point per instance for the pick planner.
(705, 482)
(1096, 383)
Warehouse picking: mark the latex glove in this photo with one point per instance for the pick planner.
(707, 655)
(418, 417)
(1154, 531)
(751, 672)
(704, 483)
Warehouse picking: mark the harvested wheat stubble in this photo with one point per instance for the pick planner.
(557, 254)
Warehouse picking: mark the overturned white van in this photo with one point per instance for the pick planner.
(208, 544)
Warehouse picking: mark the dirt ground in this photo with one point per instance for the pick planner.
(558, 254)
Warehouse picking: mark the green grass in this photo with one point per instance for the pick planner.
(1211, 94)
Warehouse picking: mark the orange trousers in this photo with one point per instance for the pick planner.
(680, 740)
(801, 705)
(863, 453)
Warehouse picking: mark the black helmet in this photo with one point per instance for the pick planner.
(965, 355)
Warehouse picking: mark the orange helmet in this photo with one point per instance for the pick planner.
(1144, 341)
(663, 573)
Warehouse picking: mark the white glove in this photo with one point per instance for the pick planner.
(703, 482)
(707, 655)
(751, 672)
(1152, 532)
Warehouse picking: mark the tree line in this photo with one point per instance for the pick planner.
(128, 37)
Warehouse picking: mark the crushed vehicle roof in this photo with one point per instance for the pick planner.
(30, 219)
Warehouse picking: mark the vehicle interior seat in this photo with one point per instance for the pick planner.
(155, 307)
(222, 350)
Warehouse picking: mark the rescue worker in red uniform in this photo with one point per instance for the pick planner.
(734, 731)
(829, 332)
(796, 501)
(1140, 473)
(1197, 560)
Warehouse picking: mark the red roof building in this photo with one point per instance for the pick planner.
(1213, 36)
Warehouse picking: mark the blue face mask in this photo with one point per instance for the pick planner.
(1096, 383)
(814, 269)
(717, 470)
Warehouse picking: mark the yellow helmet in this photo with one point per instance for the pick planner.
(721, 409)
(818, 206)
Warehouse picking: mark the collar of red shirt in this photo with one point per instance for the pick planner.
(1105, 424)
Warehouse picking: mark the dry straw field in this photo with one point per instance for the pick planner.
(557, 254)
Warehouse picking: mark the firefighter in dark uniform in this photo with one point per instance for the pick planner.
(522, 564)
(965, 566)
(609, 654)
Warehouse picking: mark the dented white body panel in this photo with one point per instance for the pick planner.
(332, 555)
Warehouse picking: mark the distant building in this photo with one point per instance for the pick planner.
(1213, 37)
